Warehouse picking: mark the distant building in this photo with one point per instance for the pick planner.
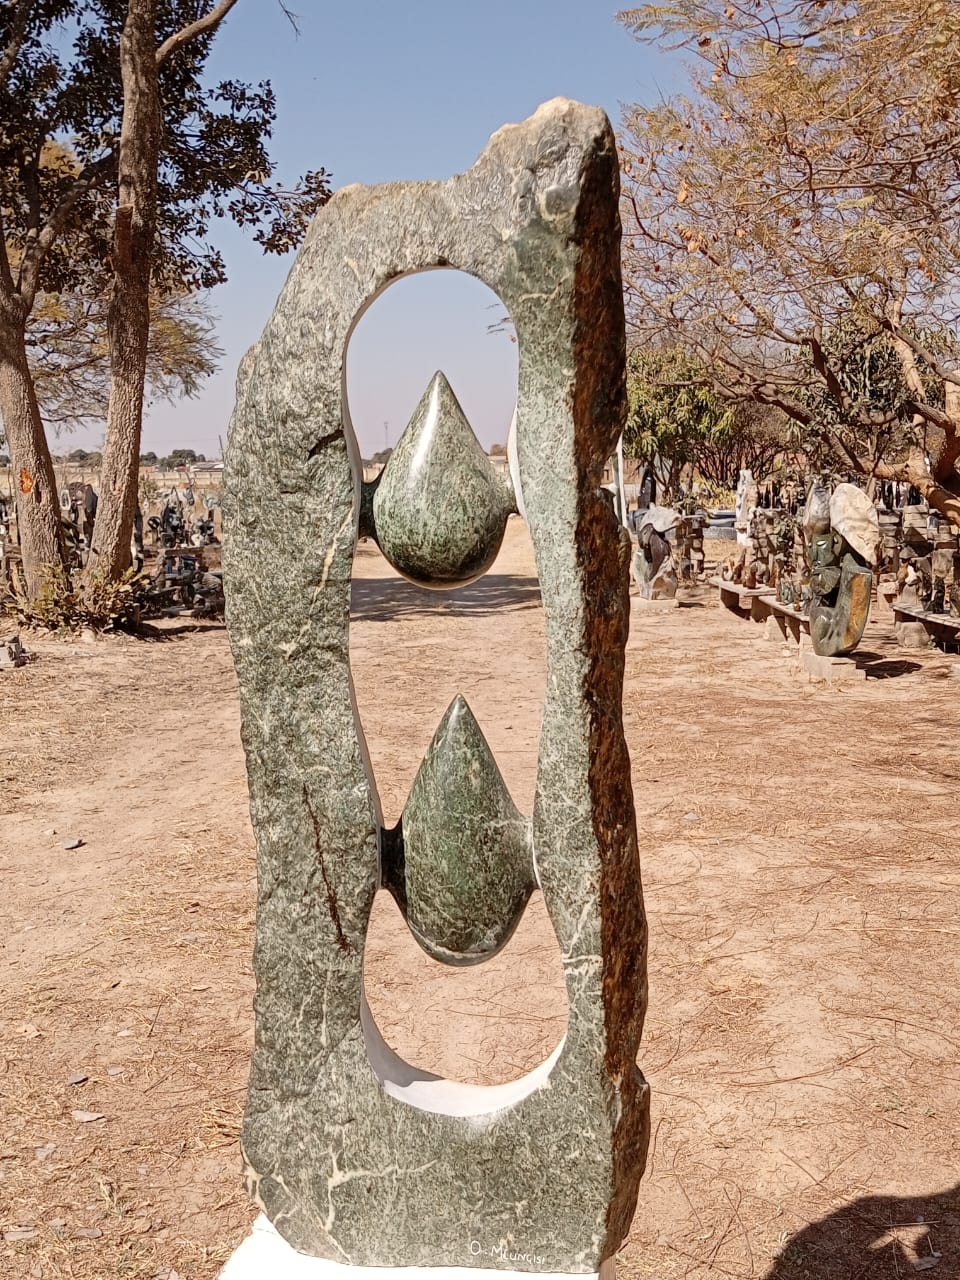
(206, 470)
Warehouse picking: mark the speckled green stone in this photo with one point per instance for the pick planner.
(439, 510)
(461, 864)
(838, 616)
(345, 1169)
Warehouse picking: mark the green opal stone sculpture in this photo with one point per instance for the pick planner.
(460, 864)
(354, 1155)
(842, 534)
(439, 509)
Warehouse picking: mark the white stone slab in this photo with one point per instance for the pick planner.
(265, 1255)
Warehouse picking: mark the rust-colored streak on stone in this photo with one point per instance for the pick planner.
(343, 942)
(599, 414)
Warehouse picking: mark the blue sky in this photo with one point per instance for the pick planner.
(381, 92)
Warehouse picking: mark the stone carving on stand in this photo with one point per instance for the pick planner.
(354, 1156)
(944, 564)
(746, 503)
(689, 539)
(744, 568)
(653, 567)
(842, 533)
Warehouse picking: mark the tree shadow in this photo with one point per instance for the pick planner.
(383, 599)
(878, 1238)
(150, 631)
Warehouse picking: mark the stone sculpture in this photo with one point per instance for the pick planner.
(648, 488)
(689, 539)
(353, 1155)
(745, 565)
(746, 503)
(653, 566)
(843, 534)
(788, 567)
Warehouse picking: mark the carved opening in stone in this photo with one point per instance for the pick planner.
(482, 1029)
(462, 1041)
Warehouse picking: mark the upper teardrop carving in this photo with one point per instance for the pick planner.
(439, 510)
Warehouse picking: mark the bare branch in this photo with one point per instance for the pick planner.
(209, 22)
(291, 17)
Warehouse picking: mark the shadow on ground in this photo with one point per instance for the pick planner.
(879, 667)
(878, 1238)
(384, 599)
(173, 631)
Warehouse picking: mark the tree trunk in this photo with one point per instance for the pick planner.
(128, 318)
(939, 498)
(38, 504)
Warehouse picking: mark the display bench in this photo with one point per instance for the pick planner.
(740, 599)
(787, 626)
(917, 629)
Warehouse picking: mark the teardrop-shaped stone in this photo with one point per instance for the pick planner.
(440, 509)
(460, 863)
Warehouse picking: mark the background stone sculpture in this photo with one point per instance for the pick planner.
(354, 1155)
(843, 536)
(653, 566)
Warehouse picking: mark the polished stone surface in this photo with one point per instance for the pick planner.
(349, 1165)
(839, 613)
(460, 865)
(439, 510)
(842, 539)
(662, 519)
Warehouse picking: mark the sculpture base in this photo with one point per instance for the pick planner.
(820, 668)
(656, 606)
(265, 1255)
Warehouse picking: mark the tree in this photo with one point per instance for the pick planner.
(69, 360)
(670, 416)
(871, 376)
(811, 183)
(758, 440)
(156, 156)
(180, 458)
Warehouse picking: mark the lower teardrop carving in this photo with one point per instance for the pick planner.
(460, 861)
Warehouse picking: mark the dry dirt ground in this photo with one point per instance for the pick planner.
(801, 863)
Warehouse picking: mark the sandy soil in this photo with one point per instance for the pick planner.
(801, 860)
